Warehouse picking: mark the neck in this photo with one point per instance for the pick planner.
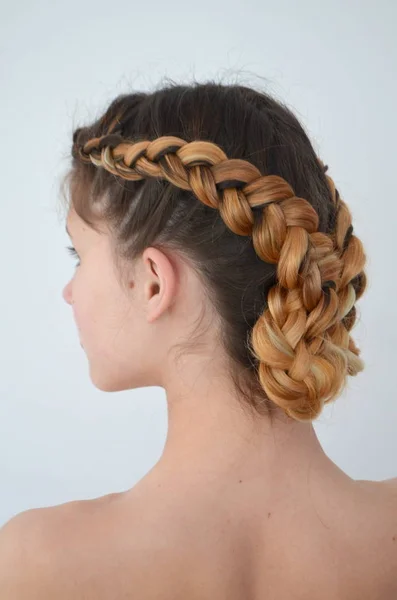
(210, 433)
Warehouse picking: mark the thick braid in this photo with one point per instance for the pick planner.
(301, 340)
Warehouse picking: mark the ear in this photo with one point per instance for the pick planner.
(160, 282)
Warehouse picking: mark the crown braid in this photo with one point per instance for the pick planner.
(302, 339)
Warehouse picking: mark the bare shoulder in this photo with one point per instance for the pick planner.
(141, 544)
(86, 549)
(390, 484)
(385, 489)
(380, 498)
(378, 520)
(23, 559)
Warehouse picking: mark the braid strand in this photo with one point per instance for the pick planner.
(302, 340)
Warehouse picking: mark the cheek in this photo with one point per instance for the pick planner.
(78, 315)
(82, 302)
(101, 309)
(94, 305)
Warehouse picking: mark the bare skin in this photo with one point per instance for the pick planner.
(229, 538)
(236, 507)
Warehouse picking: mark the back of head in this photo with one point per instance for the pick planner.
(226, 176)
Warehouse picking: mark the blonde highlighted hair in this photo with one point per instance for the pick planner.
(225, 174)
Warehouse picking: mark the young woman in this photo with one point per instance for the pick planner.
(218, 261)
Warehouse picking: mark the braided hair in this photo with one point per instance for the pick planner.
(267, 196)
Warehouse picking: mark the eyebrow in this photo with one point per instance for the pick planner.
(67, 231)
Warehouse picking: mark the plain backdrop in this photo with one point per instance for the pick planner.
(334, 64)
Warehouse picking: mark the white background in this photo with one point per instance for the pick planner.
(333, 63)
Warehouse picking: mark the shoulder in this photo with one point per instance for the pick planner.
(390, 484)
(385, 489)
(80, 549)
(23, 555)
(379, 500)
(389, 487)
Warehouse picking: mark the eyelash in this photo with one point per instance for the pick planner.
(73, 252)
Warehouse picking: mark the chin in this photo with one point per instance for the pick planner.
(113, 378)
(110, 385)
(106, 383)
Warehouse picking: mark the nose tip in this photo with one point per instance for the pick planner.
(66, 294)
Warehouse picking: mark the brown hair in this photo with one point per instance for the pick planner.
(226, 176)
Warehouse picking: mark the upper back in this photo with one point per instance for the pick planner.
(149, 544)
